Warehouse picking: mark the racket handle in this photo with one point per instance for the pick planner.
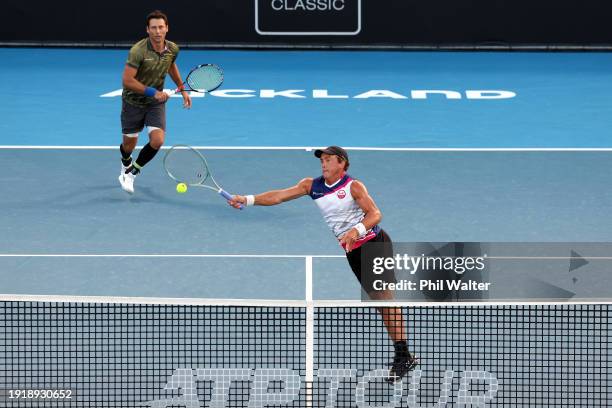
(228, 196)
(172, 92)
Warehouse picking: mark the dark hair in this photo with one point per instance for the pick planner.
(156, 14)
(346, 162)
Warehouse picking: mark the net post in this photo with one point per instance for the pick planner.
(309, 372)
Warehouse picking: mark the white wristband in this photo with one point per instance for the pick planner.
(361, 229)
(250, 200)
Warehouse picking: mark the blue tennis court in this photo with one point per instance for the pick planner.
(523, 158)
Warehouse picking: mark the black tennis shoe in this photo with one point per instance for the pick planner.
(402, 364)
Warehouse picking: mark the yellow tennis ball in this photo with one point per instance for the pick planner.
(181, 188)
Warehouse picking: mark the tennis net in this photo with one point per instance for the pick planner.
(117, 353)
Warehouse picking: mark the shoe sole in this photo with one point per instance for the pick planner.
(395, 379)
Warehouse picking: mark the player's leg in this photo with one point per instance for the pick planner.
(393, 319)
(155, 120)
(381, 247)
(403, 360)
(132, 122)
(126, 148)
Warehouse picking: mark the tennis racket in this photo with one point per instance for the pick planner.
(203, 78)
(184, 164)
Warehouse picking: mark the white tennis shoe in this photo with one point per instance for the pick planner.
(127, 182)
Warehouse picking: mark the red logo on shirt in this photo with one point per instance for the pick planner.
(341, 194)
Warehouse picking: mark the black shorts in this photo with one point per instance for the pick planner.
(135, 118)
(361, 261)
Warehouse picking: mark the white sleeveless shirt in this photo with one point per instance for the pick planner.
(339, 209)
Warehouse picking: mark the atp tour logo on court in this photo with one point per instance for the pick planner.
(281, 386)
(307, 17)
(341, 194)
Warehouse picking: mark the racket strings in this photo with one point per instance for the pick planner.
(206, 78)
(186, 166)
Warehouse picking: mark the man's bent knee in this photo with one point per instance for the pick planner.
(156, 137)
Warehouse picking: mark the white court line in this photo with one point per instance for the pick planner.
(551, 258)
(310, 323)
(165, 256)
(310, 148)
(306, 257)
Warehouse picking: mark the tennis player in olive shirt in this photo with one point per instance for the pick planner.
(143, 99)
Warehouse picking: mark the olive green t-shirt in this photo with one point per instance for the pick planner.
(152, 68)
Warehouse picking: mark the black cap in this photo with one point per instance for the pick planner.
(333, 150)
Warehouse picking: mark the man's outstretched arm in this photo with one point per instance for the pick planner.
(274, 197)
